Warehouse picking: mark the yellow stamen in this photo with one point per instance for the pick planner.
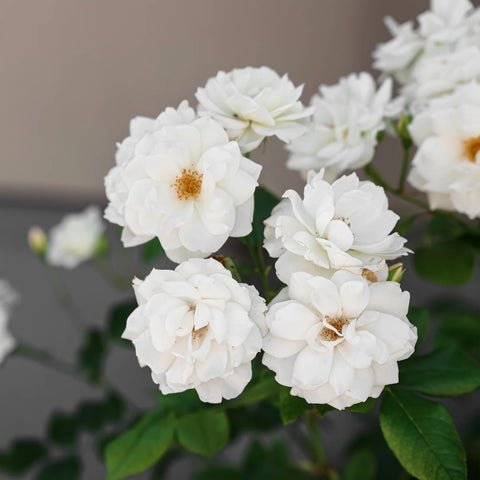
(471, 147)
(331, 335)
(188, 185)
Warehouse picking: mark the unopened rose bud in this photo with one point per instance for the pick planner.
(395, 273)
(37, 241)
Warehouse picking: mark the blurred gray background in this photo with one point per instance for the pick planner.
(73, 73)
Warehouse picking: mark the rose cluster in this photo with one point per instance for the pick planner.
(335, 333)
(437, 65)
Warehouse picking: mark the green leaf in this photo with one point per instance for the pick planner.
(117, 319)
(265, 388)
(291, 407)
(363, 407)
(446, 372)
(419, 317)
(113, 407)
(445, 226)
(22, 455)
(203, 432)
(264, 203)
(92, 354)
(151, 251)
(183, 402)
(422, 436)
(141, 447)
(90, 416)
(62, 429)
(457, 327)
(362, 465)
(65, 469)
(445, 263)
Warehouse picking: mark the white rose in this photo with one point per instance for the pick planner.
(343, 133)
(116, 186)
(338, 341)
(447, 163)
(254, 103)
(448, 24)
(140, 126)
(440, 74)
(343, 225)
(75, 238)
(397, 55)
(187, 185)
(196, 327)
(7, 298)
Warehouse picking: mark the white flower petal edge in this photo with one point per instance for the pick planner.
(338, 341)
(343, 132)
(344, 225)
(196, 327)
(186, 184)
(7, 298)
(254, 103)
(447, 163)
(75, 238)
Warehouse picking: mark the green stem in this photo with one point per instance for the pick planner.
(105, 269)
(65, 299)
(311, 418)
(372, 172)
(45, 358)
(259, 262)
(403, 174)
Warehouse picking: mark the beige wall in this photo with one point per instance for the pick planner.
(74, 72)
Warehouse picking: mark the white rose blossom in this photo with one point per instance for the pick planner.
(75, 239)
(440, 74)
(343, 132)
(346, 225)
(7, 298)
(441, 29)
(447, 163)
(254, 103)
(197, 327)
(115, 185)
(338, 341)
(186, 184)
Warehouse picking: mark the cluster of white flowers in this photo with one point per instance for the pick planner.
(7, 298)
(437, 56)
(438, 66)
(183, 177)
(75, 239)
(336, 333)
(347, 120)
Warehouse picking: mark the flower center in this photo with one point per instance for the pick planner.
(471, 147)
(188, 185)
(331, 335)
(199, 335)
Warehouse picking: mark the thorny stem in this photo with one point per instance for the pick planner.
(45, 358)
